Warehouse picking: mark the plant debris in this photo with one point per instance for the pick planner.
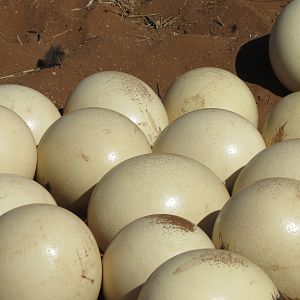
(53, 58)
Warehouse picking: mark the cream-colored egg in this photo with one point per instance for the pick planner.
(154, 184)
(262, 223)
(221, 140)
(32, 106)
(46, 252)
(142, 246)
(210, 88)
(78, 149)
(125, 94)
(279, 160)
(16, 190)
(17, 146)
(208, 274)
(283, 122)
(284, 46)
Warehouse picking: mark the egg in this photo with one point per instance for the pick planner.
(262, 223)
(154, 184)
(16, 190)
(210, 87)
(279, 160)
(32, 106)
(283, 122)
(208, 274)
(17, 146)
(125, 94)
(284, 46)
(142, 246)
(78, 149)
(46, 252)
(221, 140)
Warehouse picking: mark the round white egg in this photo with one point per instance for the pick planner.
(18, 153)
(33, 107)
(142, 246)
(16, 190)
(80, 148)
(125, 94)
(284, 46)
(210, 87)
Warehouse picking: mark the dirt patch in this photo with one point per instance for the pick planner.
(171, 221)
(158, 42)
(278, 137)
(219, 258)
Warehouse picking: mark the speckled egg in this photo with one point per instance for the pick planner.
(125, 94)
(283, 122)
(208, 274)
(154, 184)
(142, 246)
(262, 223)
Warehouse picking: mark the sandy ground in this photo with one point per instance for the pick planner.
(153, 40)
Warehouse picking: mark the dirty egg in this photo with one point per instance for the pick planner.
(262, 223)
(125, 94)
(150, 184)
(210, 87)
(282, 122)
(142, 246)
(208, 274)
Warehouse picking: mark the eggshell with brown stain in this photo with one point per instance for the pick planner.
(153, 184)
(209, 87)
(283, 122)
(262, 223)
(208, 274)
(125, 94)
(142, 246)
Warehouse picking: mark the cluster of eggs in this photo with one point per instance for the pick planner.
(149, 199)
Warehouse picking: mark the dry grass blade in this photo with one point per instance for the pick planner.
(22, 73)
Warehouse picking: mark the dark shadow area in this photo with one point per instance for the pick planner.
(133, 294)
(253, 65)
(80, 206)
(207, 224)
(230, 181)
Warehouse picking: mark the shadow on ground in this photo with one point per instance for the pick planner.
(253, 65)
